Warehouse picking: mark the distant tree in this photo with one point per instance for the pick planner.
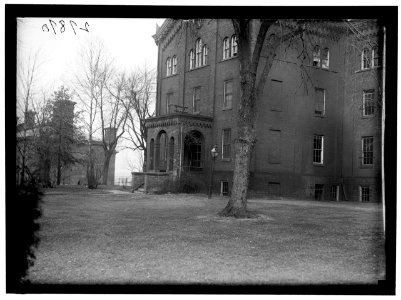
(64, 131)
(90, 88)
(139, 92)
(27, 73)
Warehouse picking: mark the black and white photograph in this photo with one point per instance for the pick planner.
(200, 150)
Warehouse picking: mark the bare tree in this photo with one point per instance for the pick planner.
(90, 90)
(26, 76)
(139, 93)
(255, 61)
(114, 109)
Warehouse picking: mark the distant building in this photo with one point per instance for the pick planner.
(63, 114)
(323, 142)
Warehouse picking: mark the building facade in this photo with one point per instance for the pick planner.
(319, 118)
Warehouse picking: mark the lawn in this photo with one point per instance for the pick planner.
(99, 236)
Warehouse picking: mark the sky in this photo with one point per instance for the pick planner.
(128, 42)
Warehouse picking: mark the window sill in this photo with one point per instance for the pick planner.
(366, 166)
(321, 68)
(367, 69)
(172, 75)
(229, 58)
(318, 164)
(226, 108)
(320, 116)
(197, 68)
(368, 117)
(226, 159)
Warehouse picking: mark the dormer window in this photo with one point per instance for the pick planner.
(320, 57)
(316, 56)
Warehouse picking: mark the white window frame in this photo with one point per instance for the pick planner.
(367, 154)
(234, 46)
(368, 98)
(375, 57)
(223, 185)
(223, 153)
(226, 48)
(324, 102)
(204, 55)
(174, 70)
(191, 59)
(168, 63)
(366, 62)
(198, 53)
(325, 59)
(316, 150)
(316, 60)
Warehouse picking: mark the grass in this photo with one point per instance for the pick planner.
(94, 236)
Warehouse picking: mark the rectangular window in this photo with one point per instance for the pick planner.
(274, 151)
(367, 150)
(174, 65)
(375, 57)
(319, 188)
(316, 56)
(226, 143)
(169, 103)
(196, 99)
(320, 101)
(325, 58)
(276, 92)
(364, 193)
(368, 106)
(228, 94)
(366, 57)
(335, 189)
(224, 188)
(318, 145)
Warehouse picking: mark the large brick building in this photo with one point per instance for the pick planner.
(319, 120)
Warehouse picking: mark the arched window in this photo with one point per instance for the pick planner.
(198, 50)
(234, 47)
(366, 58)
(174, 71)
(171, 154)
(191, 59)
(226, 48)
(168, 63)
(316, 56)
(204, 58)
(375, 57)
(151, 154)
(325, 58)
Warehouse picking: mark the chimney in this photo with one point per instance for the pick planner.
(110, 134)
(29, 119)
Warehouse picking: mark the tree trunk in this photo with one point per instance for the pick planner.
(237, 205)
(244, 144)
(106, 169)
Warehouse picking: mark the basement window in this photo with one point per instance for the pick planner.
(224, 188)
